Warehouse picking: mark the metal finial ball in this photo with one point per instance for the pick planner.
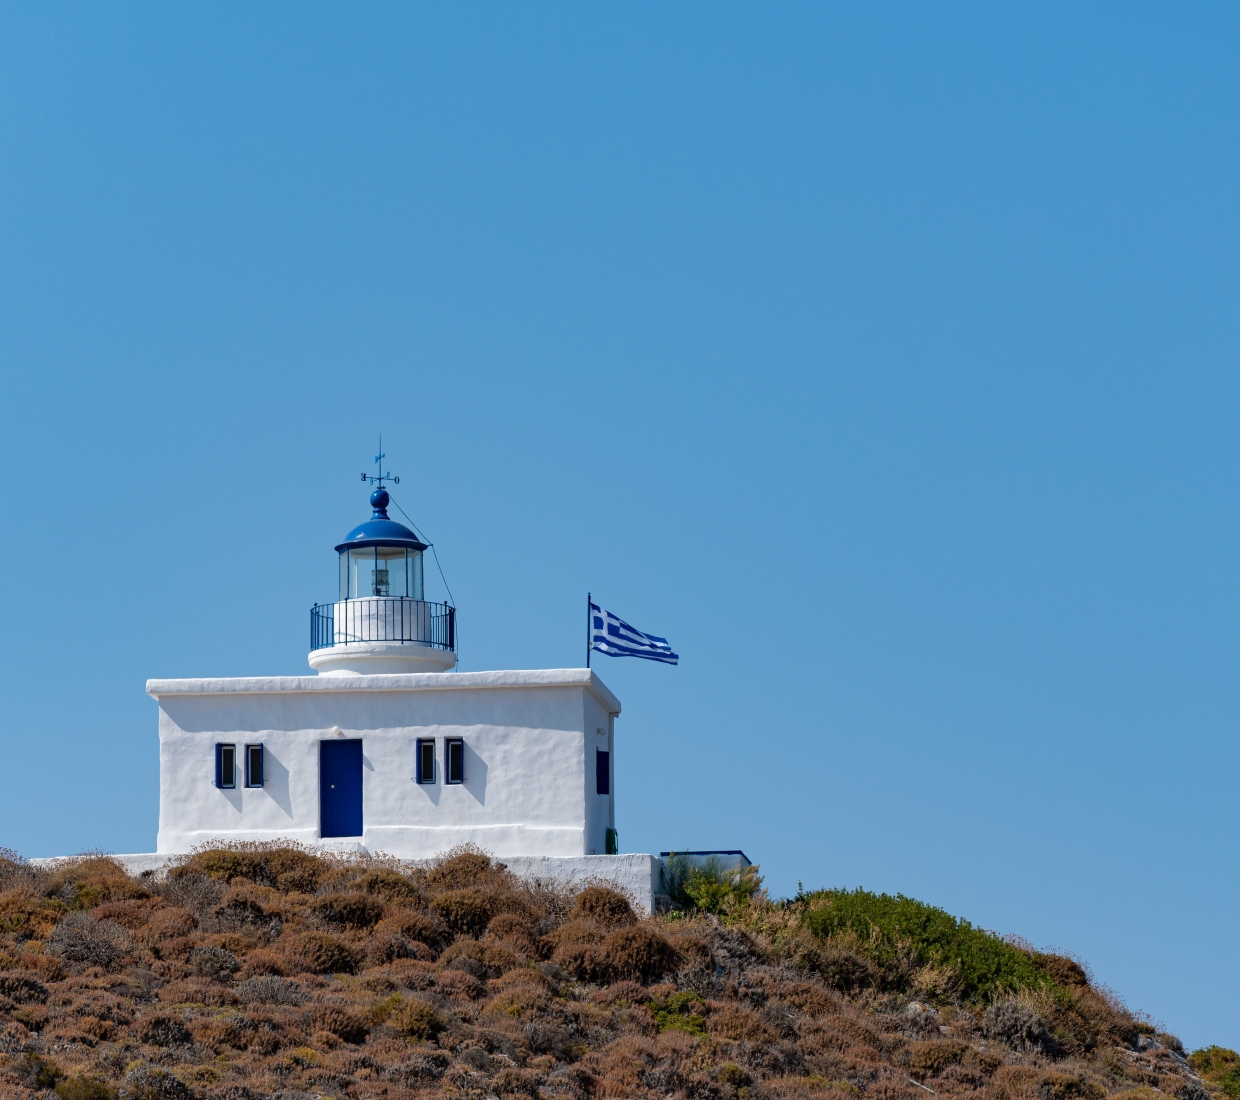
(379, 498)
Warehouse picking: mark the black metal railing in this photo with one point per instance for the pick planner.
(383, 619)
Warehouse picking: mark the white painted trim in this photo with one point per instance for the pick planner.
(418, 681)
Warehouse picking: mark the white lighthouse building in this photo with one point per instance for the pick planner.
(384, 748)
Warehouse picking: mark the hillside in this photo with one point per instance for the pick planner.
(259, 971)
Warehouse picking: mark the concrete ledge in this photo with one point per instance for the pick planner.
(412, 681)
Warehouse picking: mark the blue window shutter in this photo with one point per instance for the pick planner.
(417, 762)
(253, 765)
(219, 777)
(602, 771)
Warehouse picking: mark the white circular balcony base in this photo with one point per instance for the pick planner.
(380, 658)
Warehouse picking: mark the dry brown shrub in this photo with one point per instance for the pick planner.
(628, 993)
(320, 953)
(340, 1021)
(46, 967)
(414, 924)
(931, 1058)
(22, 988)
(349, 910)
(739, 1024)
(263, 961)
(846, 1034)
(519, 1001)
(493, 958)
(465, 912)
(692, 953)
(93, 878)
(463, 867)
(25, 916)
(520, 976)
(213, 963)
(392, 886)
(515, 1082)
(385, 947)
(412, 973)
(417, 1020)
(161, 1031)
(169, 924)
(811, 999)
(131, 915)
(1063, 970)
(587, 962)
(281, 864)
(456, 983)
(604, 907)
(576, 931)
(198, 991)
(515, 930)
(270, 989)
(639, 953)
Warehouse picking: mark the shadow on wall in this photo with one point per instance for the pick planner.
(475, 775)
(276, 782)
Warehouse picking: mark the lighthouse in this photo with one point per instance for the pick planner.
(385, 748)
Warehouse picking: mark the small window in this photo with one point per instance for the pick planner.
(254, 765)
(225, 766)
(454, 748)
(602, 771)
(426, 761)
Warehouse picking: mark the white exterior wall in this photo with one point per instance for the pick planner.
(599, 809)
(529, 737)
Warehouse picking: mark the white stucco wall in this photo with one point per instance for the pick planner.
(529, 737)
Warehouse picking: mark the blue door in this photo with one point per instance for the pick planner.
(340, 788)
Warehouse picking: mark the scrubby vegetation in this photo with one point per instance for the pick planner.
(261, 970)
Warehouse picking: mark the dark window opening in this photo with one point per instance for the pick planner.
(454, 748)
(426, 761)
(602, 771)
(225, 766)
(254, 765)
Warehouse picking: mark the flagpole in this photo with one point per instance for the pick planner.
(588, 602)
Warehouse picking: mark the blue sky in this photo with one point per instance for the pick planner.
(881, 357)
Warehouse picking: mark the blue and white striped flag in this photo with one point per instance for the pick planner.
(612, 635)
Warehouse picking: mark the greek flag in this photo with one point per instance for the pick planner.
(612, 635)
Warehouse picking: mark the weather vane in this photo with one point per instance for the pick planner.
(380, 477)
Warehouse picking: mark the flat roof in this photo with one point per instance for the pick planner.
(409, 681)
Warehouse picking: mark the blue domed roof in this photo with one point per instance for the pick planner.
(379, 530)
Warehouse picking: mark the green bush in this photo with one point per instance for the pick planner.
(896, 932)
(709, 887)
(84, 1088)
(680, 1012)
(1219, 1066)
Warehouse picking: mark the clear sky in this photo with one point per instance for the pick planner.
(884, 358)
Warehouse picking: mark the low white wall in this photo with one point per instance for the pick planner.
(634, 874)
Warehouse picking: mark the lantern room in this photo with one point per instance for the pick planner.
(380, 557)
(381, 622)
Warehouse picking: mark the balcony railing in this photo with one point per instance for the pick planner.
(383, 619)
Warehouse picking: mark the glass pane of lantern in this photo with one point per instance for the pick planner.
(389, 572)
(415, 574)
